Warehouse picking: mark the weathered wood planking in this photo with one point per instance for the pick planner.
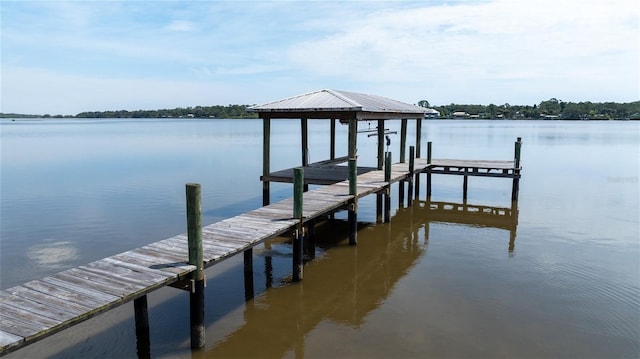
(40, 308)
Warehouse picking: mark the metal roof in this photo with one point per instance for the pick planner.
(333, 101)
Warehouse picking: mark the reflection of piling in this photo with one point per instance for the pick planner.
(514, 226)
(194, 233)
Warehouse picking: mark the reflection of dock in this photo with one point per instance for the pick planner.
(344, 287)
(475, 215)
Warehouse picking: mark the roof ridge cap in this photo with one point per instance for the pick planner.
(343, 97)
(288, 98)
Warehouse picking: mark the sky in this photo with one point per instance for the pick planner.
(61, 57)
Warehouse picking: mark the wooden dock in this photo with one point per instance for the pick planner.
(39, 308)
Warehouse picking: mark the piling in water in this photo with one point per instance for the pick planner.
(194, 234)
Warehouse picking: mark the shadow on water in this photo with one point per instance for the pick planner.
(343, 284)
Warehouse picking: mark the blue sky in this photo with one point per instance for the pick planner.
(68, 57)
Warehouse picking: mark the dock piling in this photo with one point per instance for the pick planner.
(266, 160)
(387, 194)
(248, 274)
(465, 185)
(194, 235)
(143, 342)
(353, 182)
(429, 172)
(411, 170)
(298, 191)
(516, 171)
(353, 207)
(416, 187)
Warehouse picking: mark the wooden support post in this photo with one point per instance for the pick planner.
(387, 196)
(298, 181)
(194, 237)
(353, 207)
(304, 129)
(465, 186)
(248, 274)
(268, 265)
(332, 145)
(310, 240)
(515, 188)
(143, 342)
(418, 145)
(411, 167)
(266, 159)
(353, 182)
(379, 196)
(403, 139)
(304, 135)
(517, 151)
(429, 171)
(379, 207)
(403, 148)
(380, 144)
(418, 136)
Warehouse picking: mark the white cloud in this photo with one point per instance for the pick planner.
(68, 57)
(560, 42)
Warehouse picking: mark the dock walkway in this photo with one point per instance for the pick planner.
(39, 308)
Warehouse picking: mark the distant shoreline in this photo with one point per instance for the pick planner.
(41, 118)
(550, 110)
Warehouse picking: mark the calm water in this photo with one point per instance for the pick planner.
(564, 282)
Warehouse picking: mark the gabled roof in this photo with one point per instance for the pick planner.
(331, 103)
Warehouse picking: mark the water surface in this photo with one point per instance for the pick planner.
(562, 280)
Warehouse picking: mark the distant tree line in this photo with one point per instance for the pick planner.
(230, 111)
(550, 109)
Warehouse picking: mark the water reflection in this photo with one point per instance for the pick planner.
(473, 215)
(346, 283)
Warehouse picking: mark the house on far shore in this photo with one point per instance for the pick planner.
(460, 114)
(431, 113)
